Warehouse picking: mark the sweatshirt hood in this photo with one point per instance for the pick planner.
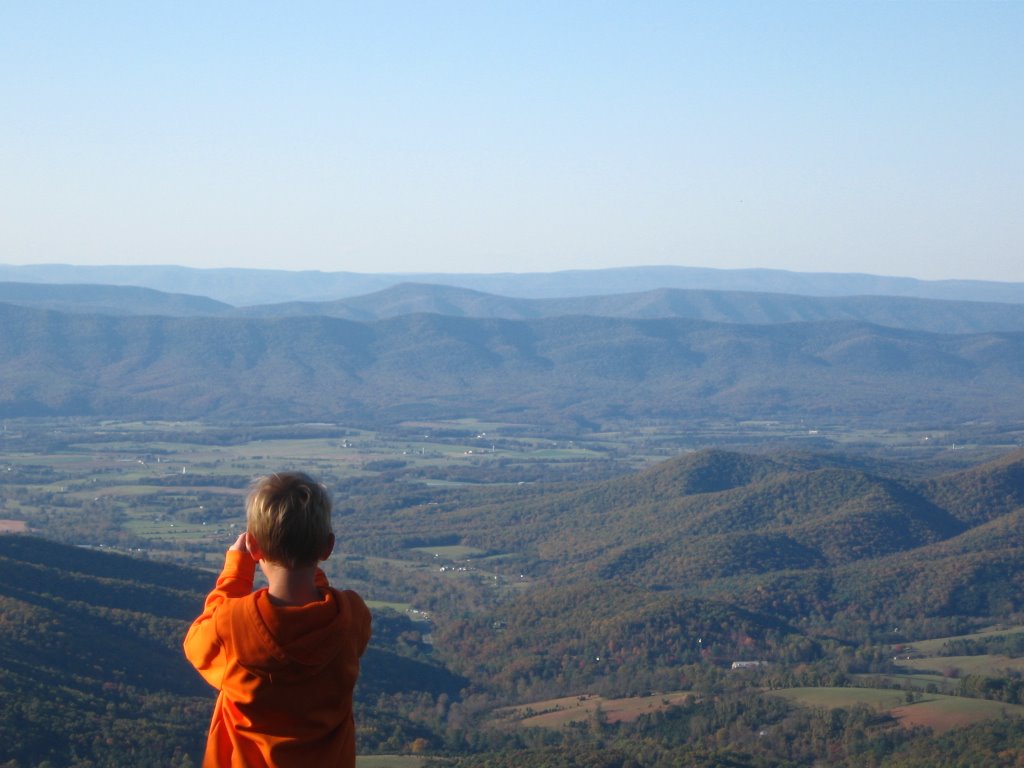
(296, 641)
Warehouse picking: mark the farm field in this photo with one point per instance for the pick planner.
(936, 711)
(182, 485)
(833, 698)
(398, 607)
(390, 761)
(175, 490)
(452, 552)
(934, 646)
(926, 664)
(939, 683)
(561, 712)
(959, 666)
(941, 713)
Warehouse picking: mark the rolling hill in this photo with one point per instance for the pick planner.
(551, 369)
(750, 308)
(933, 315)
(90, 658)
(108, 300)
(243, 287)
(92, 671)
(768, 543)
(719, 513)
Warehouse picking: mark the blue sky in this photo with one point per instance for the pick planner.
(880, 137)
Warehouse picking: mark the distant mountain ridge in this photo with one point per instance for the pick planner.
(108, 299)
(549, 369)
(933, 315)
(245, 287)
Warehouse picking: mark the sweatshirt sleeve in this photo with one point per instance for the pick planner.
(204, 648)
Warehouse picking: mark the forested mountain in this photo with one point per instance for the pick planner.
(789, 540)
(937, 316)
(108, 300)
(242, 287)
(92, 670)
(932, 315)
(90, 658)
(717, 514)
(559, 370)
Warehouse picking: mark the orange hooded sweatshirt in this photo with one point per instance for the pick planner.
(285, 673)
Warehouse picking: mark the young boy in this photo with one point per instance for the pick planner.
(284, 658)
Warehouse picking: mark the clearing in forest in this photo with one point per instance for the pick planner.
(561, 712)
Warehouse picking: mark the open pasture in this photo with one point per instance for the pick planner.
(957, 666)
(397, 607)
(466, 424)
(452, 552)
(390, 761)
(836, 698)
(918, 682)
(937, 711)
(924, 661)
(935, 645)
(565, 711)
(941, 713)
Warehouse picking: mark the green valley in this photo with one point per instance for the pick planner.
(686, 599)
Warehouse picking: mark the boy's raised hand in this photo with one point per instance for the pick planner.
(245, 543)
(241, 543)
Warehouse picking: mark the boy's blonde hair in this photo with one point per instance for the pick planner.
(289, 515)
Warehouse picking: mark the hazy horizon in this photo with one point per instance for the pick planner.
(485, 273)
(453, 137)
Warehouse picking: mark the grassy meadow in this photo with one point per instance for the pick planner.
(934, 646)
(390, 761)
(936, 711)
(569, 710)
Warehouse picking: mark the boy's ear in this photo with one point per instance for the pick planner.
(254, 549)
(328, 548)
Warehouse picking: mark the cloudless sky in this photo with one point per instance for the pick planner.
(480, 136)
